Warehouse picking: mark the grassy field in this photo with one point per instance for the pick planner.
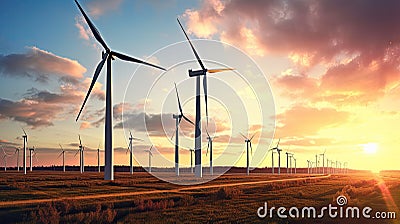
(145, 199)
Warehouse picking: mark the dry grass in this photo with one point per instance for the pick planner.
(212, 205)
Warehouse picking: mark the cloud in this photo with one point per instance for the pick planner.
(40, 108)
(100, 7)
(357, 42)
(84, 31)
(30, 112)
(301, 121)
(40, 64)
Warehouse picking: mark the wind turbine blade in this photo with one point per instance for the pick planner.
(76, 153)
(80, 142)
(278, 143)
(205, 96)
(251, 148)
(131, 59)
(60, 154)
(187, 119)
(61, 147)
(243, 135)
(130, 133)
(179, 102)
(94, 79)
(24, 131)
(191, 45)
(208, 146)
(95, 32)
(151, 148)
(252, 136)
(219, 70)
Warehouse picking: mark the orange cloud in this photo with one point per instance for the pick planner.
(100, 7)
(40, 64)
(304, 121)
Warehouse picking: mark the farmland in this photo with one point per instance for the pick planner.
(53, 197)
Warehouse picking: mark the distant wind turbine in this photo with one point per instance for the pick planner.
(63, 157)
(4, 159)
(197, 74)
(150, 155)
(323, 161)
(288, 154)
(308, 166)
(107, 56)
(25, 138)
(31, 154)
(279, 157)
(17, 152)
(178, 118)
(248, 144)
(210, 146)
(191, 159)
(81, 159)
(130, 149)
(98, 158)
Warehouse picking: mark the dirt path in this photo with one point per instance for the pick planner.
(113, 195)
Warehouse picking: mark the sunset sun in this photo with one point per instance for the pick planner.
(370, 148)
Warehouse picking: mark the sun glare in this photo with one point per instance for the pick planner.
(370, 148)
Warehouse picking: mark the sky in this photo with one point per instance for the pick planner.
(321, 76)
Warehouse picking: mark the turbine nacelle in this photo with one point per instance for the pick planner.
(197, 73)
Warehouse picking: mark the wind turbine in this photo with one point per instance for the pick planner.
(323, 161)
(63, 156)
(31, 154)
(203, 71)
(273, 168)
(288, 154)
(130, 149)
(295, 164)
(25, 138)
(279, 157)
(178, 118)
(17, 152)
(210, 146)
(98, 158)
(5, 159)
(248, 143)
(80, 151)
(150, 155)
(308, 166)
(316, 163)
(107, 56)
(191, 159)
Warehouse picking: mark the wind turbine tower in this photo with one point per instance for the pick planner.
(5, 159)
(25, 138)
(191, 159)
(98, 158)
(150, 155)
(63, 157)
(248, 145)
(323, 161)
(17, 152)
(31, 153)
(210, 146)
